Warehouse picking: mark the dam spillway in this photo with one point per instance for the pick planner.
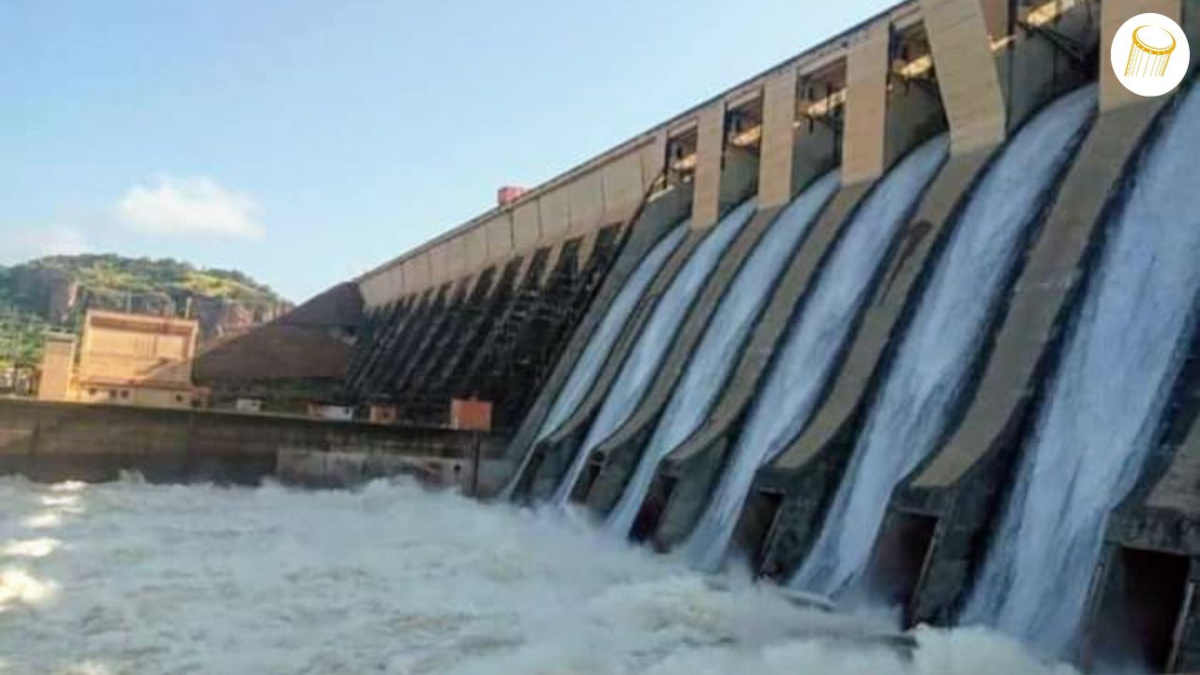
(652, 343)
(808, 353)
(937, 350)
(906, 320)
(600, 344)
(1106, 402)
(598, 348)
(709, 368)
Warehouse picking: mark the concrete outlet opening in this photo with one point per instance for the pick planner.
(583, 487)
(1140, 613)
(899, 559)
(755, 525)
(655, 504)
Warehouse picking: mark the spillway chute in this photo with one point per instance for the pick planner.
(655, 338)
(938, 349)
(709, 368)
(600, 343)
(808, 354)
(1105, 403)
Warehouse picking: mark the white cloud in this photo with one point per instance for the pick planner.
(190, 207)
(36, 242)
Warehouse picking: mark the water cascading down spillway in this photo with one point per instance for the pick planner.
(600, 343)
(936, 352)
(637, 373)
(583, 375)
(816, 337)
(1105, 404)
(723, 340)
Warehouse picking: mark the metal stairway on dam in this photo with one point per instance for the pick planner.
(509, 321)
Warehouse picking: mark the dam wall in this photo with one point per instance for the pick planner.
(592, 313)
(909, 319)
(492, 302)
(989, 68)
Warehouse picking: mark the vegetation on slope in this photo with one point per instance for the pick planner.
(113, 273)
(31, 294)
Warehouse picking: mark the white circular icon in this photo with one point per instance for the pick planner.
(1150, 55)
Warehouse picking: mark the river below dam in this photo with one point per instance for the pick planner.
(129, 577)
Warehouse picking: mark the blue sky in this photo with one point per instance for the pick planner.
(306, 141)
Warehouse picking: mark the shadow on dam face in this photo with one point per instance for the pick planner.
(1140, 614)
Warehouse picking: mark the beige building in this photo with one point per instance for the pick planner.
(58, 365)
(124, 359)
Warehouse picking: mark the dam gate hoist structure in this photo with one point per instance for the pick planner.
(910, 317)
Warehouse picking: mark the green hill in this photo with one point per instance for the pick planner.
(53, 293)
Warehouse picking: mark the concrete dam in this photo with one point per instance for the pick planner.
(910, 320)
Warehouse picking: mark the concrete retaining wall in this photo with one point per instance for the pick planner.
(63, 441)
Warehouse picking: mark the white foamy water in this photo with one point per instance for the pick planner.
(134, 578)
(937, 351)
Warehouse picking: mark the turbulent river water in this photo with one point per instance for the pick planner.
(134, 578)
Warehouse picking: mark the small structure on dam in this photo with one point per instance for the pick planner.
(909, 317)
